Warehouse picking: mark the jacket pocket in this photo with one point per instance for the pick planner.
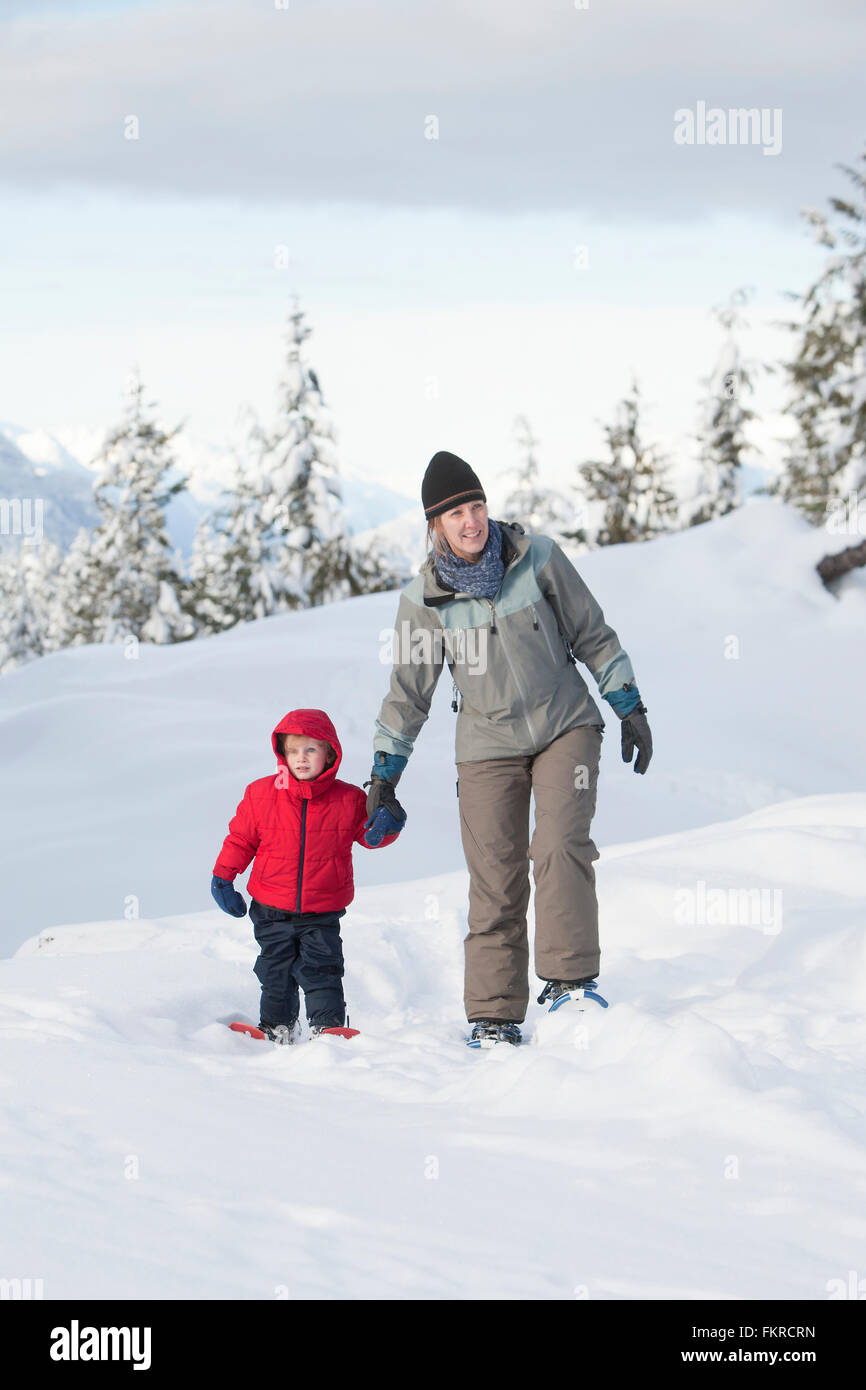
(277, 872)
(542, 617)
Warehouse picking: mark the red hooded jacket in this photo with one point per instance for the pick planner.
(300, 833)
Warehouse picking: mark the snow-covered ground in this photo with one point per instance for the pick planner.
(703, 1137)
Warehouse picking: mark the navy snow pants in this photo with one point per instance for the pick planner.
(299, 949)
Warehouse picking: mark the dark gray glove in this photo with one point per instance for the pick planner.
(636, 734)
(385, 815)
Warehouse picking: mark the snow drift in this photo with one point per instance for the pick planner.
(701, 1138)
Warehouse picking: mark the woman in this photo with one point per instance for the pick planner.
(510, 615)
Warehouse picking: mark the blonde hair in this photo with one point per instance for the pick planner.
(436, 542)
(330, 756)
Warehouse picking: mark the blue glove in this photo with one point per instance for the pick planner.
(228, 897)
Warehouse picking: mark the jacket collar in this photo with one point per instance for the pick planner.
(514, 544)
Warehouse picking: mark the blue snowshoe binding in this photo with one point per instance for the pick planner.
(487, 1032)
(559, 992)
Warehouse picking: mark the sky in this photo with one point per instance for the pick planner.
(482, 207)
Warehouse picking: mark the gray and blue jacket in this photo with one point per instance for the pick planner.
(509, 656)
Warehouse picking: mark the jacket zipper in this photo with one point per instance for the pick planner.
(304, 805)
(520, 689)
(535, 624)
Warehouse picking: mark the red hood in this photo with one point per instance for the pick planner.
(315, 724)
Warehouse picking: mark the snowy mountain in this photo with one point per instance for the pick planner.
(58, 468)
(732, 886)
(370, 504)
(46, 480)
(39, 464)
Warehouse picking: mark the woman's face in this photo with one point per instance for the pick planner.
(466, 529)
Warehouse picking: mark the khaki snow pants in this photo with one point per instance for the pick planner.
(494, 824)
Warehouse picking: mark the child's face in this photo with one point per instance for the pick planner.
(306, 757)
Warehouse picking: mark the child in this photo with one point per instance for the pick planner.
(300, 826)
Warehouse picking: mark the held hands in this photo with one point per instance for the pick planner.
(228, 897)
(385, 815)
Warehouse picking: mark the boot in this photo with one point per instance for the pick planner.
(487, 1032)
(282, 1033)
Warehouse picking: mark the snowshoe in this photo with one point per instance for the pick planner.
(559, 992)
(487, 1032)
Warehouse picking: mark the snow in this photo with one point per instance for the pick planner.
(701, 1138)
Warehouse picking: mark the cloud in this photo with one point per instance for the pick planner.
(539, 106)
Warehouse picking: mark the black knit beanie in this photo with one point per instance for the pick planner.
(448, 482)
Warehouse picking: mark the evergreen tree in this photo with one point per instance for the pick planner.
(631, 484)
(29, 586)
(303, 507)
(80, 586)
(352, 570)
(278, 541)
(230, 570)
(123, 578)
(826, 464)
(20, 630)
(539, 509)
(724, 418)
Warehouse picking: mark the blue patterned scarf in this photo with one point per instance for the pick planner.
(484, 576)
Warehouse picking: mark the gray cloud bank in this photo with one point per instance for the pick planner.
(541, 107)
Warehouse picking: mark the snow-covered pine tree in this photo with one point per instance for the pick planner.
(277, 540)
(723, 420)
(123, 579)
(20, 634)
(360, 570)
(225, 567)
(303, 509)
(230, 569)
(79, 593)
(43, 568)
(539, 509)
(311, 557)
(826, 463)
(631, 484)
(29, 586)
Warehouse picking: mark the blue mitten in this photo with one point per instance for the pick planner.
(228, 897)
(384, 821)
